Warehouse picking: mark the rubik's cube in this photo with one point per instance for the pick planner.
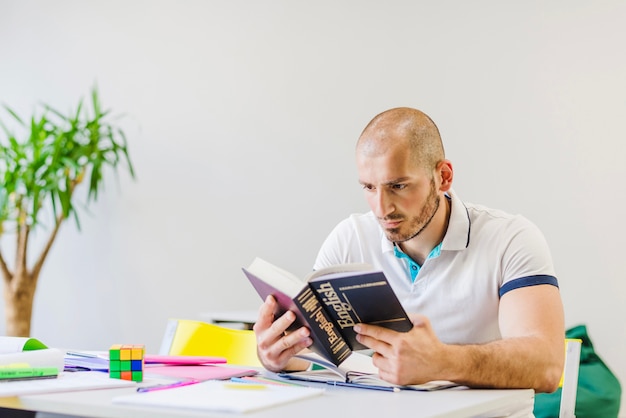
(126, 362)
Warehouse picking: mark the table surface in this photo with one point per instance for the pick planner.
(336, 401)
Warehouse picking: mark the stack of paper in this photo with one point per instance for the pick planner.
(66, 382)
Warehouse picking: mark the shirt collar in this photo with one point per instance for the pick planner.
(459, 226)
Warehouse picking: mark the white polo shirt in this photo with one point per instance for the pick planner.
(484, 254)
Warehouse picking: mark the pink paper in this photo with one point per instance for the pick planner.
(199, 372)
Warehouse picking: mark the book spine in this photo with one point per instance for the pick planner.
(327, 341)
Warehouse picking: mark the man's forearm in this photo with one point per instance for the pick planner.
(523, 362)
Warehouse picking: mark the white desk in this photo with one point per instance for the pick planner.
(334, 403)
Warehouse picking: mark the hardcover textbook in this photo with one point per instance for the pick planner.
(330, 302)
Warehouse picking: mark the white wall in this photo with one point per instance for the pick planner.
(242, 118)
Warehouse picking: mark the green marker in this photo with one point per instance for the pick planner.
(10, 374)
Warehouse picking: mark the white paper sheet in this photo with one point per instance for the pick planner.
(220, 396)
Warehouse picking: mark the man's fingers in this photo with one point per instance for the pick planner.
(373, 337)
(374, 331)
(276, 346)
(281, 324)
(266, 313)
(418, 320)
(278, 353)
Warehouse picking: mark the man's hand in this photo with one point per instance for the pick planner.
(420, 348)
(275, 347)
(529, 355)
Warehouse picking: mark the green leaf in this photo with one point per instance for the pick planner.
(15, 115)
(95, 103)
(57, 151)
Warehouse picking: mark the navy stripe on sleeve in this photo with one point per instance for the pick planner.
(528, 281)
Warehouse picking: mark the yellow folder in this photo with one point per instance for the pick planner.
(185, 337)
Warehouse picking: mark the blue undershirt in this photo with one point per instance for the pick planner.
(413, 267)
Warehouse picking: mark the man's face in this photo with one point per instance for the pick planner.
(403, 197)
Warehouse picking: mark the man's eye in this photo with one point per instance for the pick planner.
(368, 187)
(398, 186)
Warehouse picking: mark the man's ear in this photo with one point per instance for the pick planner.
(445, 173)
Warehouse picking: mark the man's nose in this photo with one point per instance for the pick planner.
(383, 204)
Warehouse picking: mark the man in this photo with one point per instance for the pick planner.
(479, 283)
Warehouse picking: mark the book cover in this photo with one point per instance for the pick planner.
(309, 312)
(364, 297)
(330, 302)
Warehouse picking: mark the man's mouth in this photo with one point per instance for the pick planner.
(390, 223)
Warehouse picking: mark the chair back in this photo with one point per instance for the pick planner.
(569, 380)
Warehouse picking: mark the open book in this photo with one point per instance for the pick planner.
(330, 302)
(356, 371)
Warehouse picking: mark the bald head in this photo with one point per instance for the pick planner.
(404, 127)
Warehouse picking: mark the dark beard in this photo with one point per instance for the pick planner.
(424, 218)
(419, 231)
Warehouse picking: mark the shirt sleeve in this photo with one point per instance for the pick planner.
(526, 260)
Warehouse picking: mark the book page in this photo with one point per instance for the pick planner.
(359, 369)
(355, 363)
(277, 277)
(339, 268)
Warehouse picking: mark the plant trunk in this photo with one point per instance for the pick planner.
(18, 304)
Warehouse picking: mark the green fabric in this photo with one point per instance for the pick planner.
(599, 392)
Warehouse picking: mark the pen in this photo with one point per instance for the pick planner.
(167, 386)
(362, 386)
(262, 380)
(243, 380)
(80, 354)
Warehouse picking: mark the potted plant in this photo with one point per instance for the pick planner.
(39, 174)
